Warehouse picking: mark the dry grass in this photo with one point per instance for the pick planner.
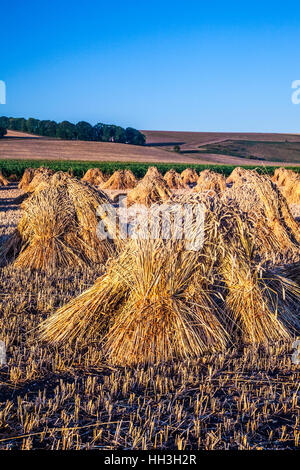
(210, 181)
(149, 190)
(288, 183)
(173, 179)
(189, 176)
(153, 172)
(237, 177)
(121, 179)
(70, 396)
(268, 213)
(3, 180)
(34, 179)
(59, 227)
(26, 178)
(94, 176)
(155, 303)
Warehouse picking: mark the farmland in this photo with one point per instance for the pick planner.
(158, 149)
(67, 392)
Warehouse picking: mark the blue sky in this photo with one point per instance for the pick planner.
(169, 65)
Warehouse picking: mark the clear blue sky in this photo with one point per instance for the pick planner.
(169, 65)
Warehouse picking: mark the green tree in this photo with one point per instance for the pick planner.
(98, 132)
(4, 122)
(33, 125)
(47, 128)
(66, 130)
(18, 124)
(84, 131)
(108, 133)
(2, 132)
(120, 135)
(134, 137)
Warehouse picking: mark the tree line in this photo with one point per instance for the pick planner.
(69, 131)
(2, 131)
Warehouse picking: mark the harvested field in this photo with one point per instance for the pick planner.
(228, 383)
(159, 149)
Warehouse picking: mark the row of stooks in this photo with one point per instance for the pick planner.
(159, 186)
(157, 300)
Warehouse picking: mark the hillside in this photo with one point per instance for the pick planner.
(196, 147)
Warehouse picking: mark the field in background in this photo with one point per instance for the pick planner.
(196, 148)
(273, 151)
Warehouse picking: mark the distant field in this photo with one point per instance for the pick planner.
(269, 151)
(159, 149)
(192, 140)
(247, 146)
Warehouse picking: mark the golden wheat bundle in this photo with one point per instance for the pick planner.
(26, 178)
(291, 191)
(149, 190)
(153, 285)
(173, 179)
(161, 300)
(267, 212)
(161, 319)
(188, 177)
(121, 179)
(237, 177)
(153, 172)
(260, 306)
(94, 176)
(288, 182)
(35, 177)
(290, 271)
(59, 226)
(143, 308)
(281, 175)
(3, 180)
(210, 181)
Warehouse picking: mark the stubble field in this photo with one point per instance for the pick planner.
(63, 398)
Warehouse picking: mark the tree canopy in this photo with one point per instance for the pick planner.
(80, 131)
(2, 131)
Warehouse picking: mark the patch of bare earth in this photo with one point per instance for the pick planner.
(66, 399)
(159, 148)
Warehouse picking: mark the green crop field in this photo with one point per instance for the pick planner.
(17, 167)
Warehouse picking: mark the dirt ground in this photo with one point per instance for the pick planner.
(66, 399)
(18, 145)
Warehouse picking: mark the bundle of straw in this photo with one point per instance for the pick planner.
(267, 213)
(153, 172)
(173, 179)
(288, 182)
(161, 301)
(210, 181)
(237, 177)
(149, 190)
(34, 177)
(189, 176)
(59, 227)
(143, 309)
(94, 176)
(3, 180)
(260, 306)
(121, 179)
